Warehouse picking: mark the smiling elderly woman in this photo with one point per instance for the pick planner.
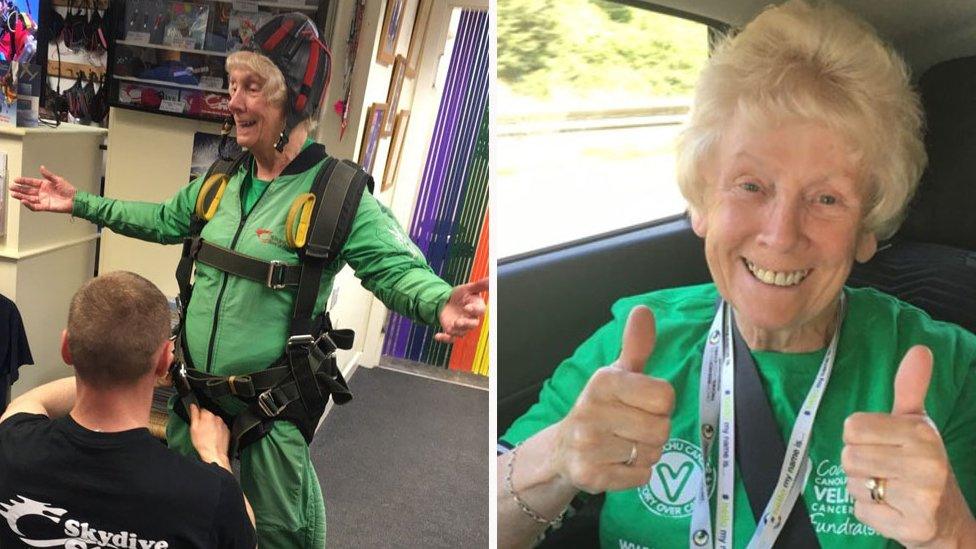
(802, 151)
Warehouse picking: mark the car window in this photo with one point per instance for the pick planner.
(590, 97)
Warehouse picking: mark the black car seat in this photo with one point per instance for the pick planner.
(931, 262)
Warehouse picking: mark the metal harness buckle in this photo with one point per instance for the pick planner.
(332, 344)
(178, 375)
(303, 340)
(268, 405)
(276, 275)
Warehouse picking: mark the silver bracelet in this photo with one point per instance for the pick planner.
(554, 523)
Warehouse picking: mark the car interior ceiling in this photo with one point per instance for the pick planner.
(924, 36)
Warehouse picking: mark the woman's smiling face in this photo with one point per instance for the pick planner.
(781, 220)
(258, 121)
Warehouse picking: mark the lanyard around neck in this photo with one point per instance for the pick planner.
(717, 418)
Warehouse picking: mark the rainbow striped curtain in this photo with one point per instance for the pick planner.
(450, 222)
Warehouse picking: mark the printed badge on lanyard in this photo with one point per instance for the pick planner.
(716, 412)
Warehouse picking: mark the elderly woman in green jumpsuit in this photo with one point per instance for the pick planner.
(236, 326)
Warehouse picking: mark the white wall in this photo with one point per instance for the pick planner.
(420, 96)
(148, 160)
(45, 257)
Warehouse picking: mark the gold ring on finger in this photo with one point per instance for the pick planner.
(876, 486)
(633, 455)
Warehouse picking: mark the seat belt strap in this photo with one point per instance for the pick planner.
(760, 449)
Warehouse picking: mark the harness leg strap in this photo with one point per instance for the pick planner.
(300, 350)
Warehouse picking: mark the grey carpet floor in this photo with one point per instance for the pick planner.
(405, 464)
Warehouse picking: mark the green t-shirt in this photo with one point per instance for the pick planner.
(254, 189)
(877, 332)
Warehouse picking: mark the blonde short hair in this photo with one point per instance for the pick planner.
(818, 63)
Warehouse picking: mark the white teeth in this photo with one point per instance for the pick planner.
(775, 278)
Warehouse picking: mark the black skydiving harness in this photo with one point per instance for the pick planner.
(296, 387)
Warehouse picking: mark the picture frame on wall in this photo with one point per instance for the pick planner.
(396, 148)
(393, 95)
(416, 49)
(371, 136)
(390, 32)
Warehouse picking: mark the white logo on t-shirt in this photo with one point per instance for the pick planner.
(675, 480)
(832, 508)
(81, 534)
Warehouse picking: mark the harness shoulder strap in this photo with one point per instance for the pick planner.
(338, 188)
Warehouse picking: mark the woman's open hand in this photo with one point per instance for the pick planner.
(51, 194)
(463, 311)
(922, 504)
(620, 422)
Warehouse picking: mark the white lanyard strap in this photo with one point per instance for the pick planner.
(717, 410)
(717, 350)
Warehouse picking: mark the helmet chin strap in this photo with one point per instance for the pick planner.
(225, 130)
(282, 140)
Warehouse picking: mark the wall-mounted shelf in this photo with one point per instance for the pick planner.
(170, 48)
(277, 5)
(170, 84)
(160, 43)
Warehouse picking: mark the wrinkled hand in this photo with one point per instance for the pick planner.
(463, 311)
(51, 194)
(620, 408)
(923, 503)
(210, 436)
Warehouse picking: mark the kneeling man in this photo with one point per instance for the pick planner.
(78, 467)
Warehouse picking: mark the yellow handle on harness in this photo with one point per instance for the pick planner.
(302, 209)
(206, 208)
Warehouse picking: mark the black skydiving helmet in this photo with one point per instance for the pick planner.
(292, 43)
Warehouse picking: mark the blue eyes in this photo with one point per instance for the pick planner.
(823, 199)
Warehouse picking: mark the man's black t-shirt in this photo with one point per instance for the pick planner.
(62, 485)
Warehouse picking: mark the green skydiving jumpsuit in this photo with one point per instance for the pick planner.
(236, 326)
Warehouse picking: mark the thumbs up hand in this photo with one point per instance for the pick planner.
(616, 430)
(922, 505)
